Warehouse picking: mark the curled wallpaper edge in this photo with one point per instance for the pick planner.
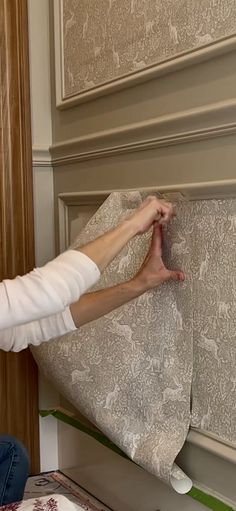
(180, 482)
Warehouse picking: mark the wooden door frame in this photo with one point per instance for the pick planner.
(19, 379)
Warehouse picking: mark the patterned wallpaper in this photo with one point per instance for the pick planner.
(144, 372)
(107, 39)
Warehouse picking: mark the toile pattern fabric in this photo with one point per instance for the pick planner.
(106, 39)
(134, 372)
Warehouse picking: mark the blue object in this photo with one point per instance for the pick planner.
(14, 470)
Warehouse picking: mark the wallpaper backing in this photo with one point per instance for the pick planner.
(106, 39)
(144, 372)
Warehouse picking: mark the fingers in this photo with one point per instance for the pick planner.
(165, 210)
(176, 275)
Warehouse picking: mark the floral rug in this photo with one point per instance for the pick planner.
(56, 483)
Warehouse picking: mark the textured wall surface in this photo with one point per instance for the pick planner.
(134, 371)
(214, 318)
(107, 39)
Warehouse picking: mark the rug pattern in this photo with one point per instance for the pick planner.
(55, 482)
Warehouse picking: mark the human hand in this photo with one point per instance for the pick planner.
(151, 210)
(153, 271)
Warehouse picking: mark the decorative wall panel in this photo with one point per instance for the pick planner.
(103, 40)
(135, 371)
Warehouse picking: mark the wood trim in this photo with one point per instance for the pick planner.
(202, 123)
(19, 386)
(213, 444)
(16, 142)
(170, 65)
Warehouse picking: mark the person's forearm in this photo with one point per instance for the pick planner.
(94, 305)
(103, 250)
(46, 291)
(49, 290)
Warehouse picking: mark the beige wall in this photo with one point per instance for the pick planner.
(39, 47)
(177, 123)
(40, 86)
(177, 131)
(172, 126)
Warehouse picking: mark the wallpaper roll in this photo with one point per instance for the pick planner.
(132, 371)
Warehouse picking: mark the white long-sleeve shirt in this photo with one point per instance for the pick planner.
(18, 338)
(34, 308)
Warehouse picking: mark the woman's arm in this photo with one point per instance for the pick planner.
(152, 273)
(49, 290)
(103, 250)
(46, 291)
(93, 305)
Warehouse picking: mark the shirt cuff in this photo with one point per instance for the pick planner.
(68, 320)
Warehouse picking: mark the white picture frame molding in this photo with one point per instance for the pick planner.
(170, 65)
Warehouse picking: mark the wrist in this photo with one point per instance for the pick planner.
(130, 227)
(138, 285)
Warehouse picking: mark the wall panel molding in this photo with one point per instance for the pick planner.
(170, 65)
(65, 201)
(212, 444)
(196, 124)
(196, 191)
(206, 458)
(211, 473)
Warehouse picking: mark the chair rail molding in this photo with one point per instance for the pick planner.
(210, 121)
(41, 156)
(180, 61)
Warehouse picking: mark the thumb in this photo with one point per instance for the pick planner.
(156, 245)
(176, 275)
